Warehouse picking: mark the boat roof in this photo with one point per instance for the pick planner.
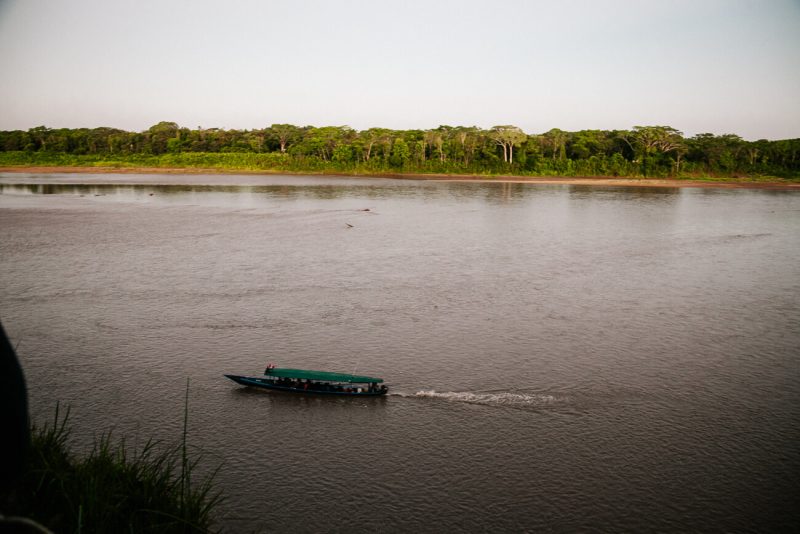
(304, 374)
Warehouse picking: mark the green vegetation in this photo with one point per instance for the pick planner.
(113, 490)
(643, 151)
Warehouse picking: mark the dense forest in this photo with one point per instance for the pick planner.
(643, 151)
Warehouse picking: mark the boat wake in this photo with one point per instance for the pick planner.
(504, 399)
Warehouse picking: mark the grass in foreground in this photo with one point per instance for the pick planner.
(114, 489)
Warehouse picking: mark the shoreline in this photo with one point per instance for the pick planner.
(612, 181)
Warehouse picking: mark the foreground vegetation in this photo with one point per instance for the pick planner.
(112, 490)
(643, 151)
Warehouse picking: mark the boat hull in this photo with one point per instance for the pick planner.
(262, 383)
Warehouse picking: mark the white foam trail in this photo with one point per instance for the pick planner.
(488, 399)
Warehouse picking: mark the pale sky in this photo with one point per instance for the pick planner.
(720, 66)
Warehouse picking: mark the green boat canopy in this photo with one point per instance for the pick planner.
(303, 374)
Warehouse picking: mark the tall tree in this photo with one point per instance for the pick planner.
(283, 134)
(159, 134)
(400, 152)
(508, 137)
(40, 136)
(435, 139)
(556, 141)
(650, 141)
(371, 137)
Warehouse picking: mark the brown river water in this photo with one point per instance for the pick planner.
(561, 358)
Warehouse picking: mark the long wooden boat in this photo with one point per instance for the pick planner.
(314, 382)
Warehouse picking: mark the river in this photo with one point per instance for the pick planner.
(561, 358)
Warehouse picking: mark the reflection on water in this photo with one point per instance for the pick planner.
(629, 192)
(561, 358)
(182, 193)
(270, 195)
(289, 401)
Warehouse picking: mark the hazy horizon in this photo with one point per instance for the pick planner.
(709, 66)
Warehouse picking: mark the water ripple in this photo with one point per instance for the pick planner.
(503, 399)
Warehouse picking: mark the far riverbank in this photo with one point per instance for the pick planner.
(612, 181)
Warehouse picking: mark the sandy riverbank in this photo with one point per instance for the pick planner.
(583, 180)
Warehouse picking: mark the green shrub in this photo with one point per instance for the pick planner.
(113, 489)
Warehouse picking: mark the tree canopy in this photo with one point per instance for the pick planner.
(640, 151)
